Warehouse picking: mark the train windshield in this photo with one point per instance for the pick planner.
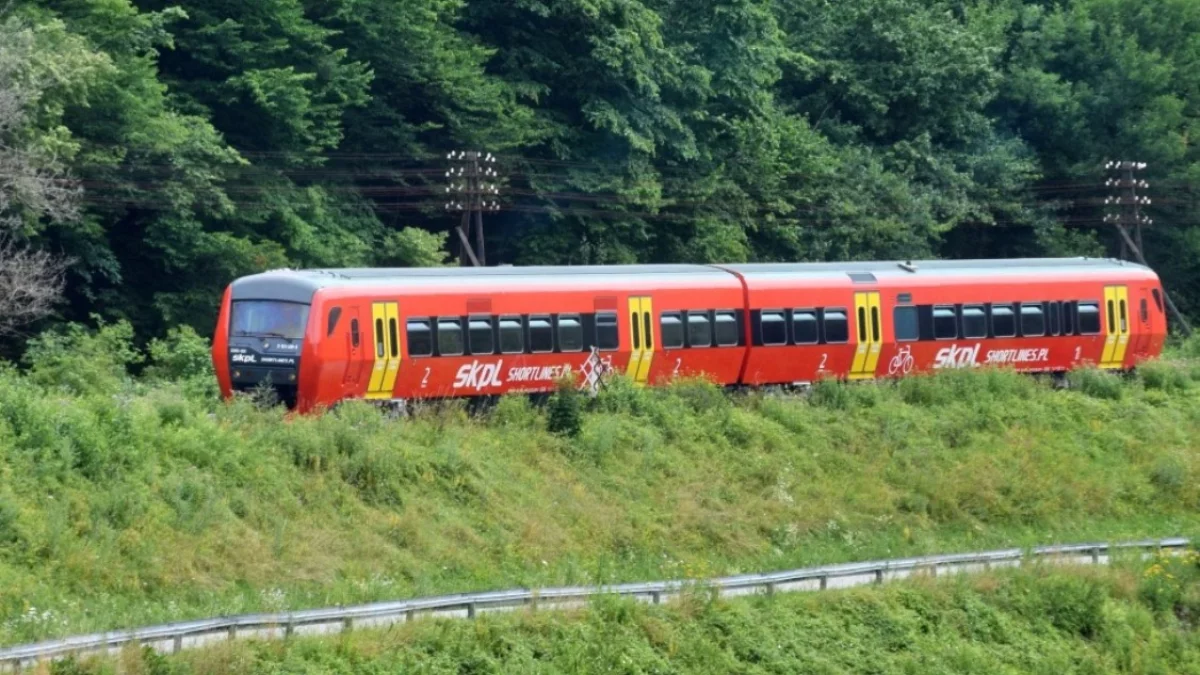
(268, 318)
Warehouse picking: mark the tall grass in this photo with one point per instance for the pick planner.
(1128, 620)
(128, 501)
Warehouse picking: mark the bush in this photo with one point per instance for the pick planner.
(82, 360)
(1096, 383)
(565, 410)
(183, 354)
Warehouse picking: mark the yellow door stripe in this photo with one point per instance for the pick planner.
(648, 342)
(393, 341)
(635, 338)
(379, 349)
(862, 343)
(1110, 328)
(875, 316)
(1122, 326)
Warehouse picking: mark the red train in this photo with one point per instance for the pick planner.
(321, 336)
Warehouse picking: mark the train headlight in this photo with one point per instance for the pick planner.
(237, 373)
(291, 377)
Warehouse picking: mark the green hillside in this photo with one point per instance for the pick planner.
(1139, 619)
(124, 502)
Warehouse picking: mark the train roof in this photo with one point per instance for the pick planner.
(299, 285)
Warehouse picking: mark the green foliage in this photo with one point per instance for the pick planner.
(134, 501)
(1096, 383)
(1039, 621)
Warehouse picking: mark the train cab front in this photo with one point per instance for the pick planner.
(259, 343)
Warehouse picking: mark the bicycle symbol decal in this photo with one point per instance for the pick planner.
(902, 362)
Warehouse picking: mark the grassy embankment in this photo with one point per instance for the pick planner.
(127, 502)
(1136, 618)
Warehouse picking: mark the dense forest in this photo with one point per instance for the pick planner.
(153, 150)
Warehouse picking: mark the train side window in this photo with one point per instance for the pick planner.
(607, 337)
(805, 330)
(570, 333)
(1157, 299)
(1144, 310)
(773, 328)
(420, 337)
(479, 335)
(974, 322)
(837, 327)
(699, 329)
(725, 328)
(945, 323)
(1033, 320)
(379, 338)
(1089, 318)
(1068, 318)
(1004, 321)
(394, 337)
(354, 335)
(905, 319)
(450, 337)
(671, 324)
(334, 315)
(1053, 315)
(541, 334)
(512, 335)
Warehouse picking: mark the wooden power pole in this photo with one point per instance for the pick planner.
(1126, 212)
(470, 192)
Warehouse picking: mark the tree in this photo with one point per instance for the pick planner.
(35, 185)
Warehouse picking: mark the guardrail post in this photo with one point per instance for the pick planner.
(408, 616)
(824, 581)
(1096, 556)
(656, 597)
(470, 610)
(933, 570)
(232, 630)
(177, 643)
(288, 629)
(879, 575)
(347, 625)
(770, 588)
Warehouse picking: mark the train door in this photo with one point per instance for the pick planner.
(1140, 339)
(868, 321)
(354, 350)
(641, 336)
(1116, 326)
(385, 333)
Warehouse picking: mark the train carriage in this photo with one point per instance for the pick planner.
(321, 336)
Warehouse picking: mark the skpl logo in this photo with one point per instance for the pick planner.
(477, 376)
(956, 357)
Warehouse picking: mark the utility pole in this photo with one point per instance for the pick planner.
(470, 193)
(1129, 203)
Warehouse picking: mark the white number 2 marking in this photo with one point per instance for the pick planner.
(824, 358)
(425, 380)
(678, 362)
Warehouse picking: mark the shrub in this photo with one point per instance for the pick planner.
(183, 354)
(82, 360)
(565, 409)
(1096, 383)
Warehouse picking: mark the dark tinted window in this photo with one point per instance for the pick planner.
(699, 329)
(945, 323)
(268, 318)
(875, 324)
(1124, 315)
(1033, 321)
(1004, 321)
(1068, 318)
(907, 328)
(837, 328)
(805, 330)
(479, 335)
(1144, 311)
(1089, 318)
(334, 315)
(725, 329)
(394, 337)
(974, 322)
(774, 328)
(354, 334)
(420, 337)
(1053, 315)
(541, 335)
(1111, 314)
(672, 330)
(607, 337)
(512, 335)
(450, 337)
(1157, 299)
(570, 333)
(379, 338)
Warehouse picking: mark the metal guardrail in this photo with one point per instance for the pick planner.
(174, 637)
